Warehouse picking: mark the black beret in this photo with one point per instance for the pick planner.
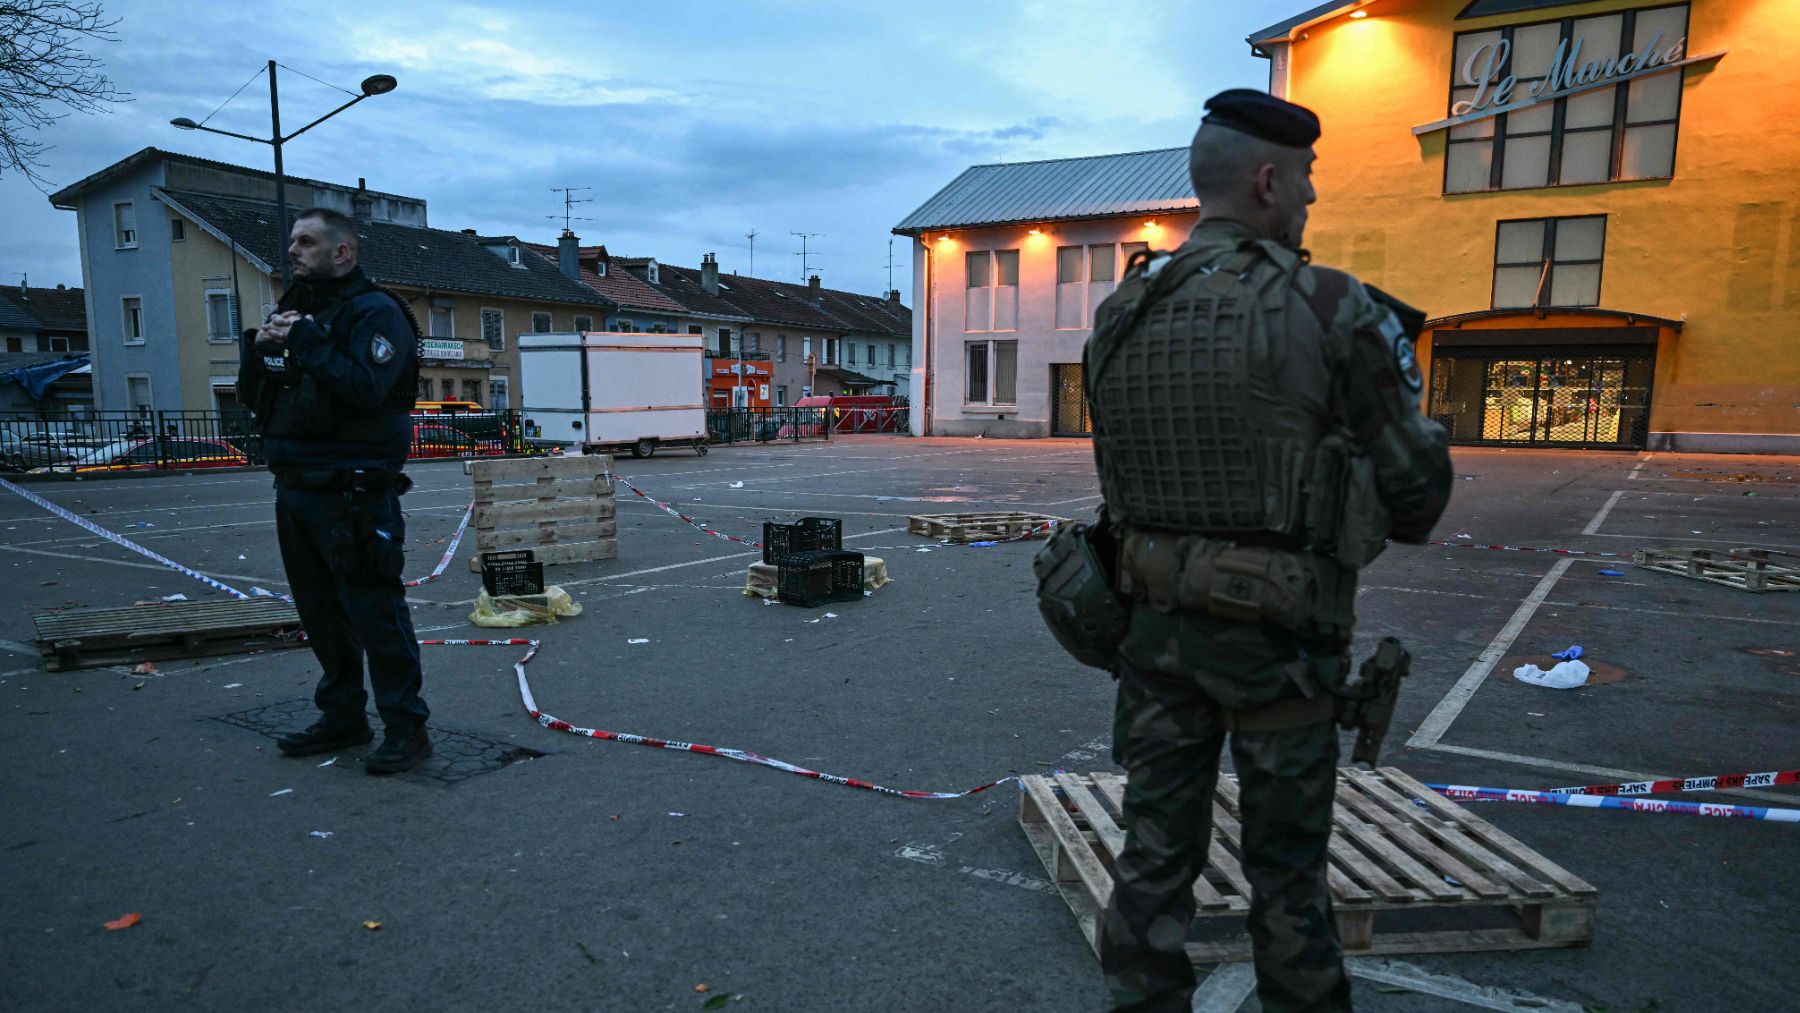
(1260, 114)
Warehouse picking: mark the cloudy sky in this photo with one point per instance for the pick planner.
(692, 122)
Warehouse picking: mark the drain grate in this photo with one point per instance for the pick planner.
(455, 756)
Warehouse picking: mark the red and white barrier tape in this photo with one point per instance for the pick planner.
(678, 515)
(1715, 782)
(1642, 805)
(1523, 548)
(449, 554)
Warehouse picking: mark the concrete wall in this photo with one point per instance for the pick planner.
(942, 313)
(1717, 245)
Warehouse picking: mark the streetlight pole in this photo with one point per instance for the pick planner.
(376, 84)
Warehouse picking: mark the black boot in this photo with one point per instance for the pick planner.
(399, 751)
(323, 736)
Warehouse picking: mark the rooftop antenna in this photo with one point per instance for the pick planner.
(805, 263)
(890, 287)
(751, 235)
(569, 202)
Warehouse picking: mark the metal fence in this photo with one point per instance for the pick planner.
(766, 425)
(184, 440)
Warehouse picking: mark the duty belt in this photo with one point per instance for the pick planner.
(342, 479)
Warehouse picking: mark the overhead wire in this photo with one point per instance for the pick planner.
(235, 94)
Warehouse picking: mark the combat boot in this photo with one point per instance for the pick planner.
(399, 751)
(323, 736)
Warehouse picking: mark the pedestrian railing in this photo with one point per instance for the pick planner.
(766, 425)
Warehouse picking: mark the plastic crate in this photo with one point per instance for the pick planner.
(513, 572)
(811, 579)
(810, 534)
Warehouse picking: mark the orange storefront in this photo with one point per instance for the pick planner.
(1595, 204)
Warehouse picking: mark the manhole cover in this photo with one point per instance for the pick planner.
(455, 756)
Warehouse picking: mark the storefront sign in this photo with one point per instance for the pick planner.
(1568, 75)
(437, 348)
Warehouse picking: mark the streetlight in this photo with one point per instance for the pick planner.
(377, 84)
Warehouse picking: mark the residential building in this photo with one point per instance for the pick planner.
(174, 246)
(43, 347)
(1009, 263)
(637, 306)
(1593, 203)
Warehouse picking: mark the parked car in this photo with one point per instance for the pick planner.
(167, 453)
(434, 439)
(12, 451)
(38, 447)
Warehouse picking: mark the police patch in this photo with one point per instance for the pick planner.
(1407, 357)
(381, 350)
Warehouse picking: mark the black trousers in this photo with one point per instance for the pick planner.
(343, 553)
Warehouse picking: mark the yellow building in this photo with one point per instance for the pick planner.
(1597, 204)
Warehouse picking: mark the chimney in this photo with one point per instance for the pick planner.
(813, 283)
(568, 254)
(893, 296)
(362, 206)
(709, 274)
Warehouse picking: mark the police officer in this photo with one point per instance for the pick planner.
(1258, 439)
(331, 378)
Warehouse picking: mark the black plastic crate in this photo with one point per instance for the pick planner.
(513, 572)
(810, 534)
(811, 579)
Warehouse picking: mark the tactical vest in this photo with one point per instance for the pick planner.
(1190, 432)
(301, 408)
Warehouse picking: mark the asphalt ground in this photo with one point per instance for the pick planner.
(605, 875)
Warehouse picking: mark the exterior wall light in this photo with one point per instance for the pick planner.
(1359, 14)
(1035, 232)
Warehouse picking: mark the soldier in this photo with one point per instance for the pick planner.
(1258, 439)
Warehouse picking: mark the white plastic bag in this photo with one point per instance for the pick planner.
(1566, 675)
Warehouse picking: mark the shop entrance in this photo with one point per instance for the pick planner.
(1568, 397)
(1068, 403)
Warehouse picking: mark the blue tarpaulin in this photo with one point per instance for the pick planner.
(37, 379)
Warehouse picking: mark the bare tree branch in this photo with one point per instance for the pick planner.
(45, 75)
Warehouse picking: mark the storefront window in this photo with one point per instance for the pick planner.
(1591, 135)
(1548, 262)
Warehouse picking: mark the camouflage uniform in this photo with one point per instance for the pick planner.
(1187, 677)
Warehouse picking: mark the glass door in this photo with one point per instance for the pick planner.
(1551, 399)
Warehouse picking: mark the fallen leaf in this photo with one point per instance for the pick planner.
(372, 925)
(717, 1001)
(143, 668)
(123, 922)
(703, 986)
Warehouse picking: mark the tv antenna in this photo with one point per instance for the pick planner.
(751, 235)
(569, 202)
(804, 255)
(890, 264)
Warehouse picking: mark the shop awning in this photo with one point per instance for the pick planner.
(1544, 315)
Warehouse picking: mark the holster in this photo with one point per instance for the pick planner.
(1296, 591)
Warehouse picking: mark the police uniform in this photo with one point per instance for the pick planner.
(1258, 439)
(334, 412)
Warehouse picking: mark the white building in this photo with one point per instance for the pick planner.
(1009, 263)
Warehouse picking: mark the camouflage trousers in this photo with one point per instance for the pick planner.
(1168, 735)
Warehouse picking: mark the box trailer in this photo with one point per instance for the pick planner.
(602, 392)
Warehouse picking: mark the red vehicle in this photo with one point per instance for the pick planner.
(163, 453)
(859, 413)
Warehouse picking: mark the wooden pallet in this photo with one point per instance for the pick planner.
(559, 507)
(1404, 879)
(88, 638)
(961, 528)
(1745, 569)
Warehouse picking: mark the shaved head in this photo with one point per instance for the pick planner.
(1264, 185)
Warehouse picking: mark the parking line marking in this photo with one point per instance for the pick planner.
(1225, 989)
(1600, 518)
(1439, 720)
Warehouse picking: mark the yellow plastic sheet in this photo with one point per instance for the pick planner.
(509, 611)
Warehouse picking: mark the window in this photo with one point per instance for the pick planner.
(891, 352)
(1548, 262)
(497, 393)
(425, 389)
(443, 321)
(448, 386)
(177, 230)
(540, 323)
(780, 348)
(871, 356)
(54, 343)
(806, 355)
(472, 390)
(780, 396)
(218, 315)
(134, 319)
(1102, 273)
(654, 274)
(137, 393)
(583, 322)
(992, 303)
(695, 329)
(1616, 132)
(15, 344)
(1069, 305)
(991, 374)
(724, 341)
(831, 351)
(493, 328)
(124, 226)
(1125, 253)
(1084, 276)
(850, 352)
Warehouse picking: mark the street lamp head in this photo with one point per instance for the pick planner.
(183, 123)
(379, 84)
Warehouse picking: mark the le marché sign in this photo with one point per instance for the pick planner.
(1569, 75)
